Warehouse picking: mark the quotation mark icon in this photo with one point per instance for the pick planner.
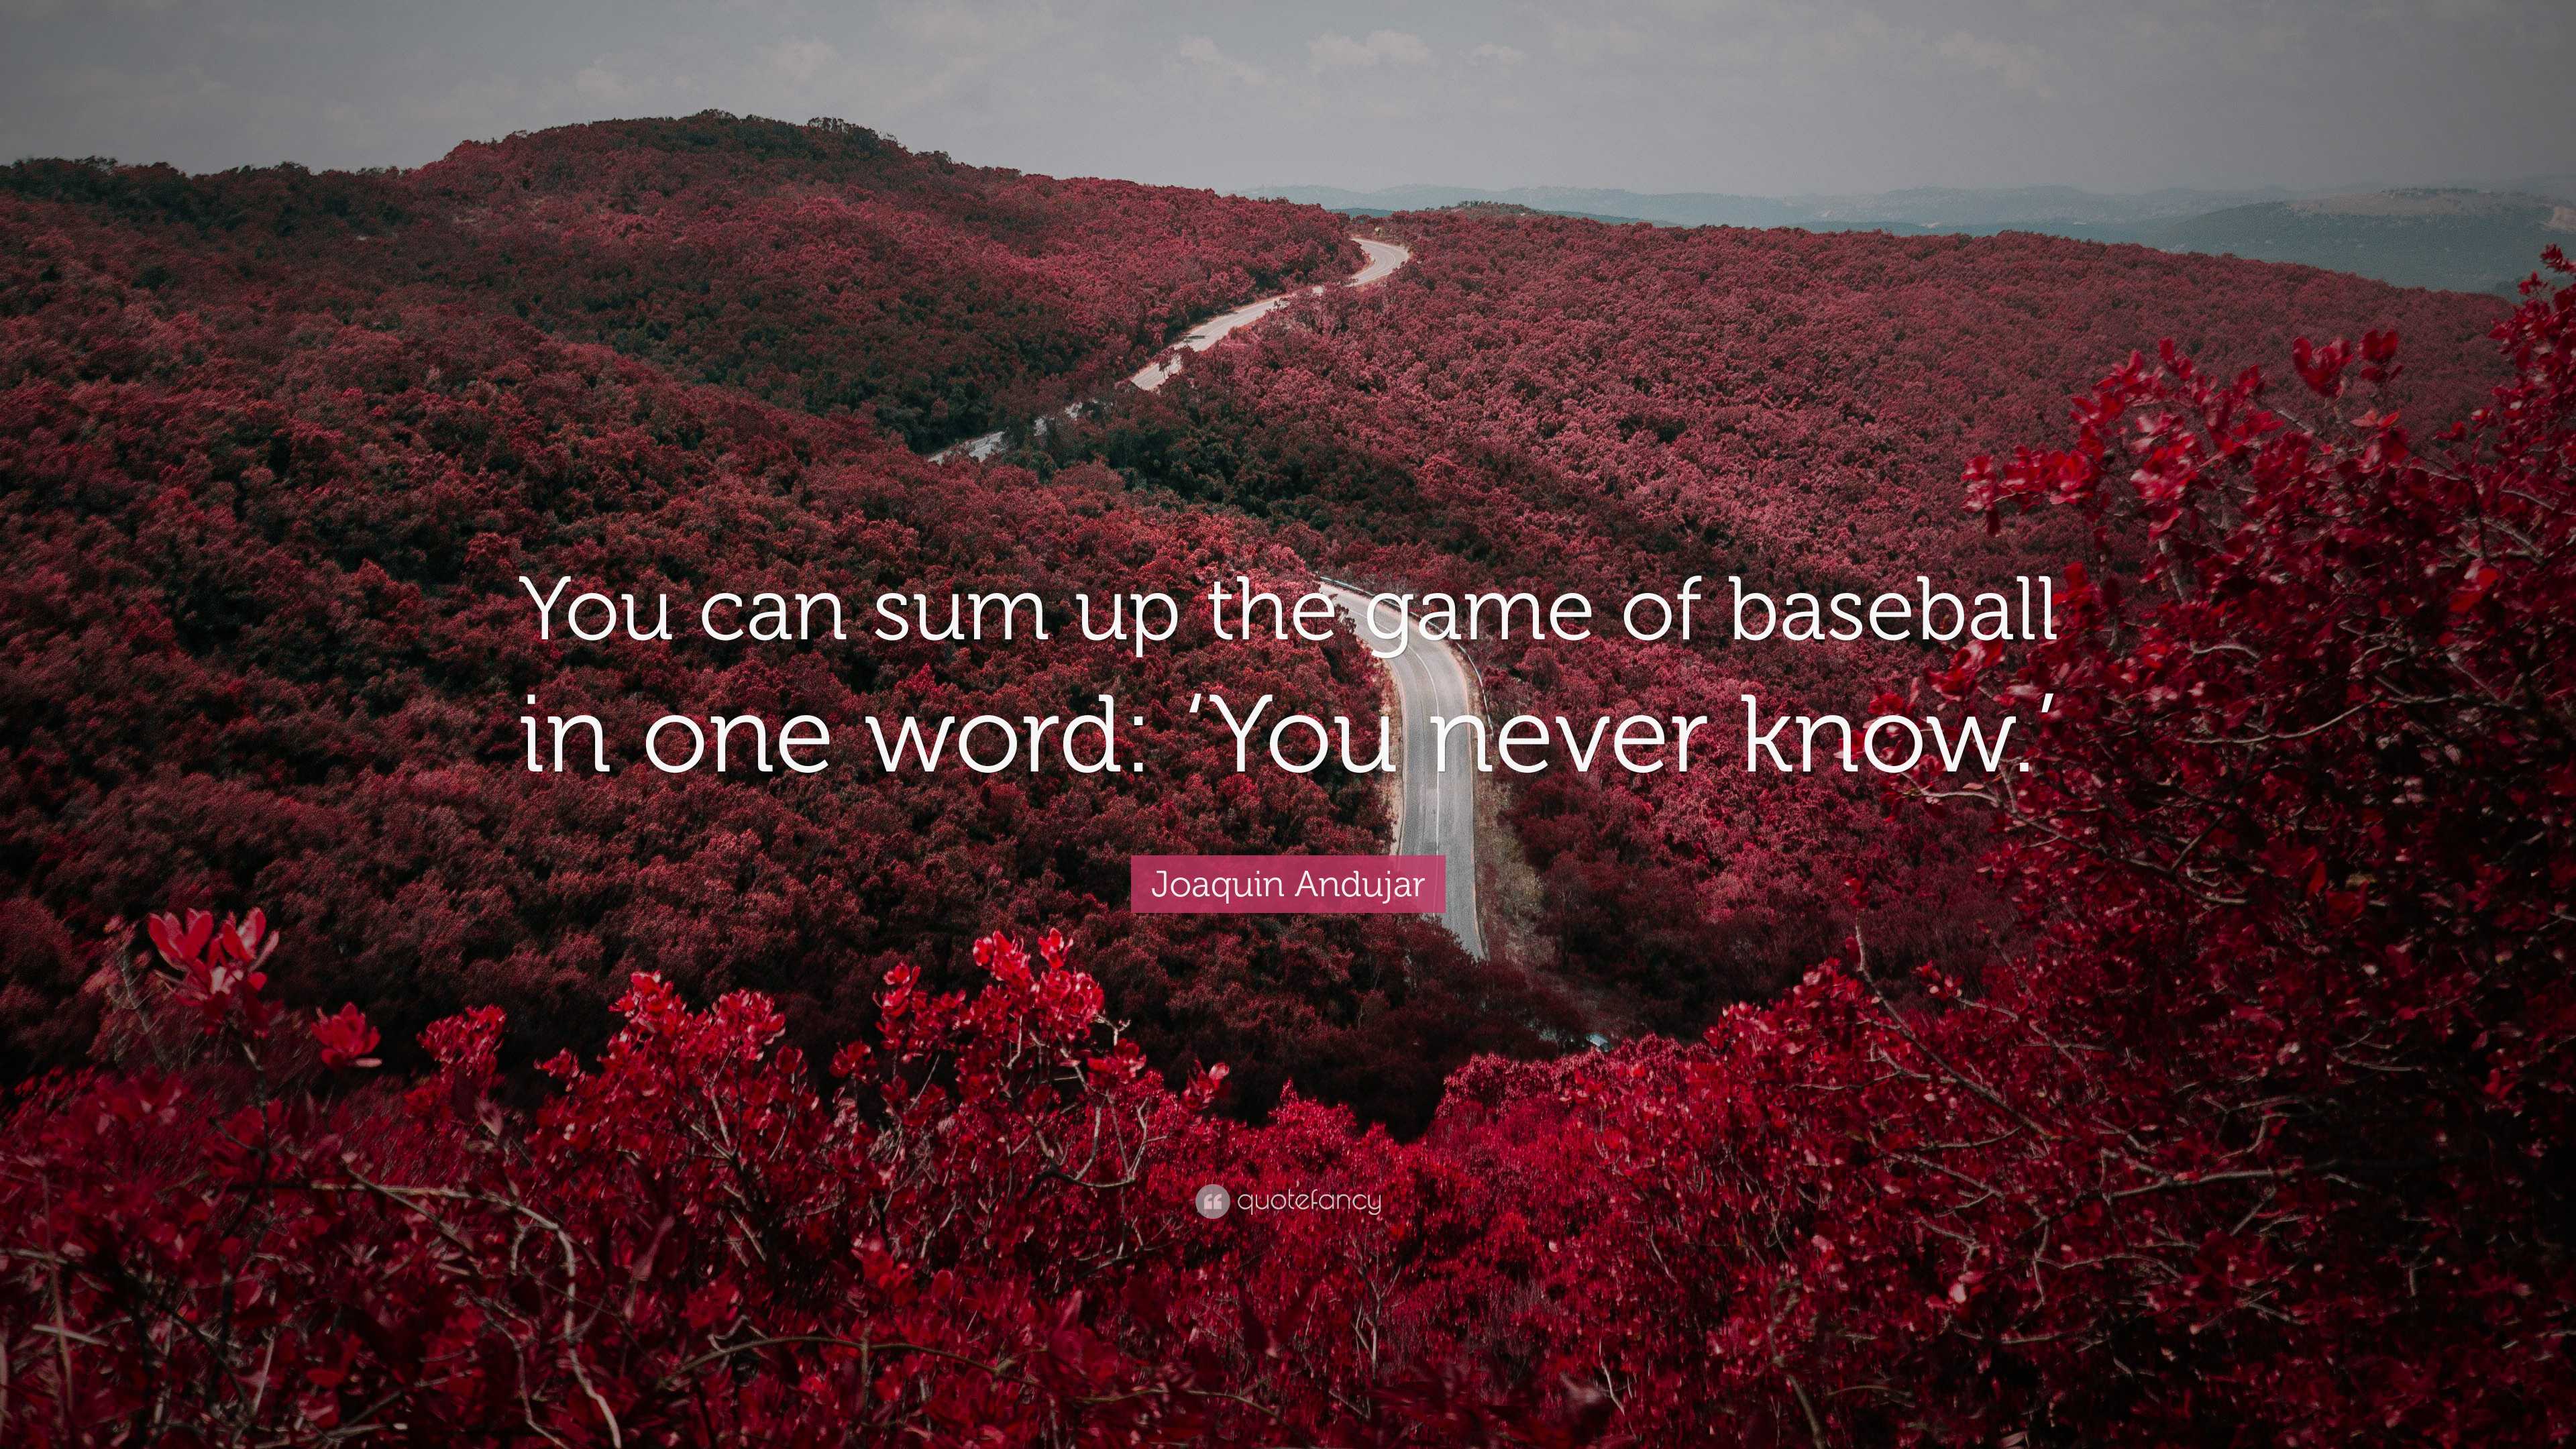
(1213, 1201)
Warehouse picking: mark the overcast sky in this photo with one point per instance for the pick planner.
(1681, 95)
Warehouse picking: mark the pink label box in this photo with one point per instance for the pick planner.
(1288, 884)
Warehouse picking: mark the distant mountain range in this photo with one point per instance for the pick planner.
(2469, 241)
(2455, 238)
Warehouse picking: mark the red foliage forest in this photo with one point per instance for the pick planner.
(1550, 404)
(2208, 1082)
(2261, 1138)
(265, 640)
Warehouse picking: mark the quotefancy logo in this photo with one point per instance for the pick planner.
(1216, 1200)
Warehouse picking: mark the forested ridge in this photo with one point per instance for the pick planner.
(821, 267)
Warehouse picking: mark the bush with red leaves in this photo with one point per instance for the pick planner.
(981, 1235)
(687, 1244)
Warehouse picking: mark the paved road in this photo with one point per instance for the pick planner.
(1383, 258)
(1436, 811)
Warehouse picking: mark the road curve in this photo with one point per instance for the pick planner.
(1383, 258)
(1436, 809)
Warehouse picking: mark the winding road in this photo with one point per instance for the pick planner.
(1436, 810)
(1383, 258)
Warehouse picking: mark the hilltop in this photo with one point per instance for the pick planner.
(823, 267)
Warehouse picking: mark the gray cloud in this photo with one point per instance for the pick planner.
(1763, 96)
(1334, 50)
